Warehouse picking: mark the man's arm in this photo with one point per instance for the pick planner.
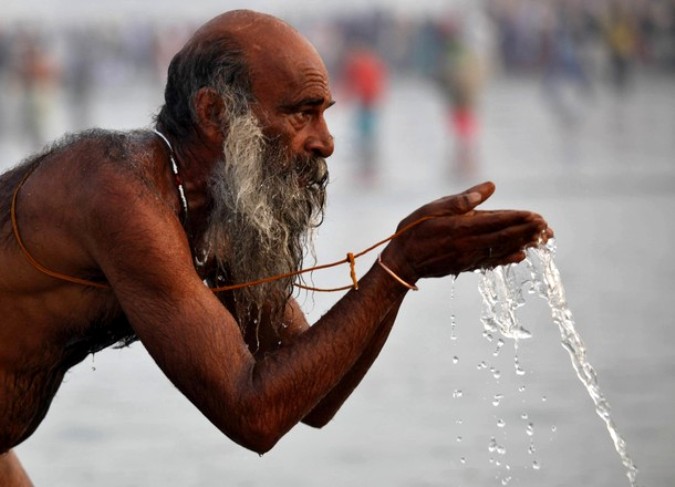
(331, 403)
(143, 252)
(326, 409)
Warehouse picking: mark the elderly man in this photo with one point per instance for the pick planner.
(111, 237)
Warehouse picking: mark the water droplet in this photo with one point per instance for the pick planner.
(462, 460)
(524, 416)
(536, 465)
(501, 423)
(455, 359)
(501, 450)
(530, 429)
(516, 364)
(544, 399)
(497, 399)
(531, 449)
(492, 446)
(506, 480)
(554, 428)
(457, 393)
(500, 344)
(459, 421)
(521, 389)
(459, 439)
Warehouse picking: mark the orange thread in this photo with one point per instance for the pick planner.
(350, 259)
(29, 257)
(352, 270)
(325, 266)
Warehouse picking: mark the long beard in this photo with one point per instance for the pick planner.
(265, 204)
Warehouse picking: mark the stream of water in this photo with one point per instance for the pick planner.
(503, 290)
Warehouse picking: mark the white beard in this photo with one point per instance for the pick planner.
(265, 204)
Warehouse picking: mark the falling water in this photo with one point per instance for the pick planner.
(502, 292)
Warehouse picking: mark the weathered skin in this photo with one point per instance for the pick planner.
(105, 208)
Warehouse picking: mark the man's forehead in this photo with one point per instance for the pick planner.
(280, 59)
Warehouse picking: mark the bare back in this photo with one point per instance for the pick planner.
(49, 325)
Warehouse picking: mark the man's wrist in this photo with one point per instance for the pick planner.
(395, 276)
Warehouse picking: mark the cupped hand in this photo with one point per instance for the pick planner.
(449, 236)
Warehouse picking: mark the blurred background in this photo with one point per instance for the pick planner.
(567, 105)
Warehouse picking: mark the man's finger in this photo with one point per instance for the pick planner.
(478, 194)
(472, 197)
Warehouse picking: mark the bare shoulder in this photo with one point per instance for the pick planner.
(78, 165)
(82, 185)
(128, 201)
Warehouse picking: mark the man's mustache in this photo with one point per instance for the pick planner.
(312, 172)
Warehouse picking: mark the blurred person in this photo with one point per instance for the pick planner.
(566, 80)
(80, 76)
(111, 237)
(5, 47)
(461, 73)
(36, 74)
(622, 39)
(365, 80)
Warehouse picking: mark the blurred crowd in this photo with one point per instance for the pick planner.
(578, 41)
(44, 65)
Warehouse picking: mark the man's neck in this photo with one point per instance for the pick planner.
(194, 159)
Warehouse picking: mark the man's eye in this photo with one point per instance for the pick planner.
(302, 116)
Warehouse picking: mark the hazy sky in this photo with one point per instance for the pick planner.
(65, 10)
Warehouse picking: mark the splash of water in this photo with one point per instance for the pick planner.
(502, 292)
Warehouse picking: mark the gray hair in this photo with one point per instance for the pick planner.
(209, 63)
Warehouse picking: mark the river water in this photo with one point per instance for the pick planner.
(443, 406)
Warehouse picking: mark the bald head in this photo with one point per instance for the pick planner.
(254, 30)
(232, 50)
(245, 24)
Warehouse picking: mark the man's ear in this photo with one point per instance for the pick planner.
(210, 111)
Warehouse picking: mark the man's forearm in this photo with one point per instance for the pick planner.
(329, 405)
(323, 365)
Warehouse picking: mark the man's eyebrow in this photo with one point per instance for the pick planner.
(310, 102)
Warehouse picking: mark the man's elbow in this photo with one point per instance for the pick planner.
(259, 442)
(258, 433)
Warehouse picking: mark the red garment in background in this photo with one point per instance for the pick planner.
(365, 76)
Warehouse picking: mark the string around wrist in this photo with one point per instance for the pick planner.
(398, 279)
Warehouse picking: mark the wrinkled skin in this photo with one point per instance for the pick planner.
(106, 208)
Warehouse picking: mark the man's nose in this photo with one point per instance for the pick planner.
(320, 141)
